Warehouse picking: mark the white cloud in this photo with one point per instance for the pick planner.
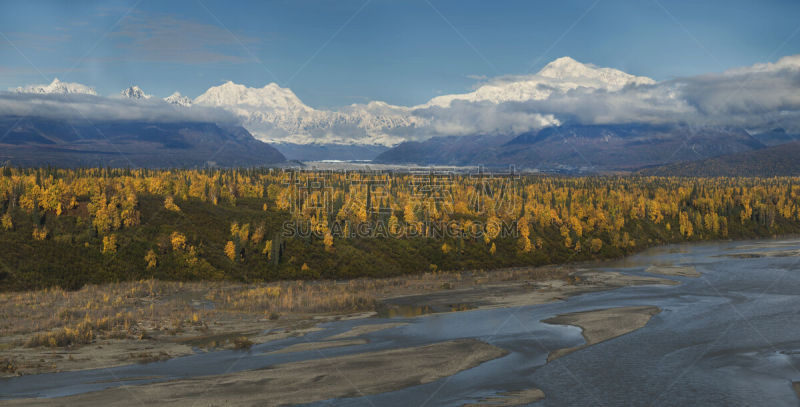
(96, 108)
(757, 97)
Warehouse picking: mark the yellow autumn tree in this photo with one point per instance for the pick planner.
(8, 223)
(394, 225)
(178, 241)
(150, 259)
(523, 229)
(110, 244)
(40, 233)
(258, 234)
(191, 256)
(230, 250)
(525, 244)
(267, 249)
(597, 245)
(244, 233)
(492, 229)
(169, 204)
(445, 248)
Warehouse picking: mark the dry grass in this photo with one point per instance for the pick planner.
(63, 337)
(59, 318)
(119, 310)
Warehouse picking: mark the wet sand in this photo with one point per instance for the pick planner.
(602, 325)
(306, 346)
(510, 399)
(518, 294)
(105, 353)
(678, 271)
(755, 255)
(367, 329)
(102, 353)
(299, 382)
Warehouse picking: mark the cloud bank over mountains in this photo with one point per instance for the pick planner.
(758, 97)
(73, 101)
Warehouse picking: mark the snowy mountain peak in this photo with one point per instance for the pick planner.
(57, 87)
(566, 68)
(565, 65)
(562, 75)
(274, 113)
(270, 96)
(135, 92)
(178, 99)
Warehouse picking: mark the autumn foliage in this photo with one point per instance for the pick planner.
(58, 225)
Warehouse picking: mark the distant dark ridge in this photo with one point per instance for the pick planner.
(780, 160)
(33, 142)
(579, 148)
(319, 152)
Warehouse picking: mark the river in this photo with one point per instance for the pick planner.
(730, 337)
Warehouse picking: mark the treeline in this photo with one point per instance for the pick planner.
(72, 227)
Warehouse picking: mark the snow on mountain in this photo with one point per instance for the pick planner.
(274, 113)
(561, 75)
(271, 96)
(178, 99)
(135, 92)
(57, 87)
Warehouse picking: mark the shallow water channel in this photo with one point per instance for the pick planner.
(730, 337)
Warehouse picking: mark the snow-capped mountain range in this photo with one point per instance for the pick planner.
(277, 114)
(273, 113)
(57, 87)
(135, 92)
(565, 90)
(178, 99)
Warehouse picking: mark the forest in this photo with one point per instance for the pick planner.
(71, 227)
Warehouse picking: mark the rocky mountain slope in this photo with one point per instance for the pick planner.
(31, 141)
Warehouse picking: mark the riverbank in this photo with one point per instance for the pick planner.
(301, 382)
(139, 322)
(695, 310)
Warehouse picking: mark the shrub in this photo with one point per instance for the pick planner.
(110, 244)
(169, 204)
(242, 342)
(40, 233)
(8, 224)
(150, 259)
(7, 365)
(230, 250)
(63, 337)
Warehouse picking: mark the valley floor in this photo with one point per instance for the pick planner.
(168, 319)
(179, 319)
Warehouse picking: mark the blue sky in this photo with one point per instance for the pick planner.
(333, 53)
